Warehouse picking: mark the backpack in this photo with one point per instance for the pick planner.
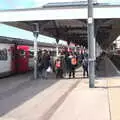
(73, 61)
(58, 64)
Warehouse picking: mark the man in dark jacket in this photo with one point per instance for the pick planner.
(72, 61)
(58, 68)
(46, 63)
(85, 66)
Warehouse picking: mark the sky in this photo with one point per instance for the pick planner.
(13, 4)
(16, 4)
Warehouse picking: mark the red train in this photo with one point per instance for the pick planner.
(16, 55)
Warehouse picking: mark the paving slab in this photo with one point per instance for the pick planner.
(84, 104)
(114, 97)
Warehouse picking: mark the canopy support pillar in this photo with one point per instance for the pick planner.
(75, 48)
(57, 48)
(68, 43)
(35, 33)
(91, 45)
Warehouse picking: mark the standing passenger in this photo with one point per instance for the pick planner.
(46, 63)
(72, 64)
(66, 63)
(58, 68)
(40, 64)
(85, 66)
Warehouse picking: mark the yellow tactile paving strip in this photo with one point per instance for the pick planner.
(114, 97)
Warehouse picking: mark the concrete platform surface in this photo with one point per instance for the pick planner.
(114, 97)
(84, 104)
(65, 99)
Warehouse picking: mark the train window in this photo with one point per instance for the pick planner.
(31, 54)
(3, 54)
(22, 53)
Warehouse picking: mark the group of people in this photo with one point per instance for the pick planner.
(66, 64)
(63, 65)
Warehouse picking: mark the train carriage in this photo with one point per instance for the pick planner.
(16, 55)
(7, 56)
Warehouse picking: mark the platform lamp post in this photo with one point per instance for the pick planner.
(91, 45)
(35, 33)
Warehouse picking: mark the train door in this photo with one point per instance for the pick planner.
(23, 58)
(13, 58)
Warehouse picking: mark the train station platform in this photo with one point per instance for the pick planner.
(22, 98)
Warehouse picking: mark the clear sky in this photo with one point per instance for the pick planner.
(15, 4)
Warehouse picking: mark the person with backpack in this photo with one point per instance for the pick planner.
(58, 68)
(72, 65)
(85, 66)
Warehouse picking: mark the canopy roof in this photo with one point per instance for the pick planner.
(65, 27)
(69, 30)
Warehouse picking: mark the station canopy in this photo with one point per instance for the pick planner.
(70, 30)
(74, 31)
